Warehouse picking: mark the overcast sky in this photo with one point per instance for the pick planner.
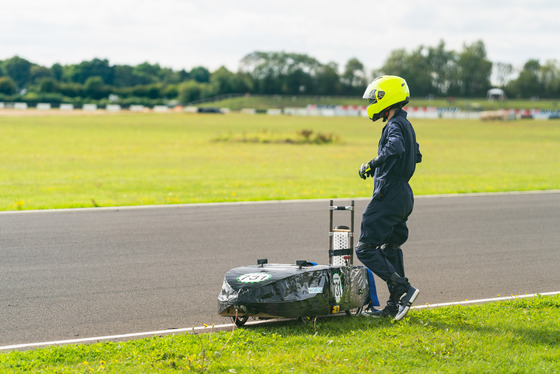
(182, 34)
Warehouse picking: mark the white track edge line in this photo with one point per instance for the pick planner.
(230, 325)
(480, 301)
(233, 203)
(113, 337)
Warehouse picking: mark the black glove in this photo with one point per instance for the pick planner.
(368, 169)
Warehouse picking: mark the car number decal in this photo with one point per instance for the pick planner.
(254, 277)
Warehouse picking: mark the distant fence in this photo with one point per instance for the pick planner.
(311, 110)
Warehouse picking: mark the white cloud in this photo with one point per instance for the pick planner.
(211, 33)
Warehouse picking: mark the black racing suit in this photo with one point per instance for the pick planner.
(384, 219)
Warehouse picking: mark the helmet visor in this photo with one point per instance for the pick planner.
(380, 94)
(373, 93)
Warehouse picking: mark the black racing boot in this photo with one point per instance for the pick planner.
(403, 293)
(390, 310)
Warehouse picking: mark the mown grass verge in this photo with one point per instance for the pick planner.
(517, 336)
(145, 159)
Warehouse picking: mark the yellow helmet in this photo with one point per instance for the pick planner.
(384, 93)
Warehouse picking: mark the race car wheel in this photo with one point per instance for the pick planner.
(354, 312)
(306, 319)
(240, 320)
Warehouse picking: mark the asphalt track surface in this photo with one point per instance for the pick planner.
(96, 272)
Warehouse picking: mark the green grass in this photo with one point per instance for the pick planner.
(263, 102)
(140, 159)
(518, 336)
(133, 159)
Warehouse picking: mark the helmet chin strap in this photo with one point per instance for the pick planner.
(388, 110)
(386, 114)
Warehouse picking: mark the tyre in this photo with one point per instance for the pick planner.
(354, 312)
(240, 320)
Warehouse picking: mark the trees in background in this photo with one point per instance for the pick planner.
(7, 86)
(429, 70)
(441, 72)
(18, 69)
(536, 80)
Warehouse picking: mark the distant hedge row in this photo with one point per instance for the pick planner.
(431, 71)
